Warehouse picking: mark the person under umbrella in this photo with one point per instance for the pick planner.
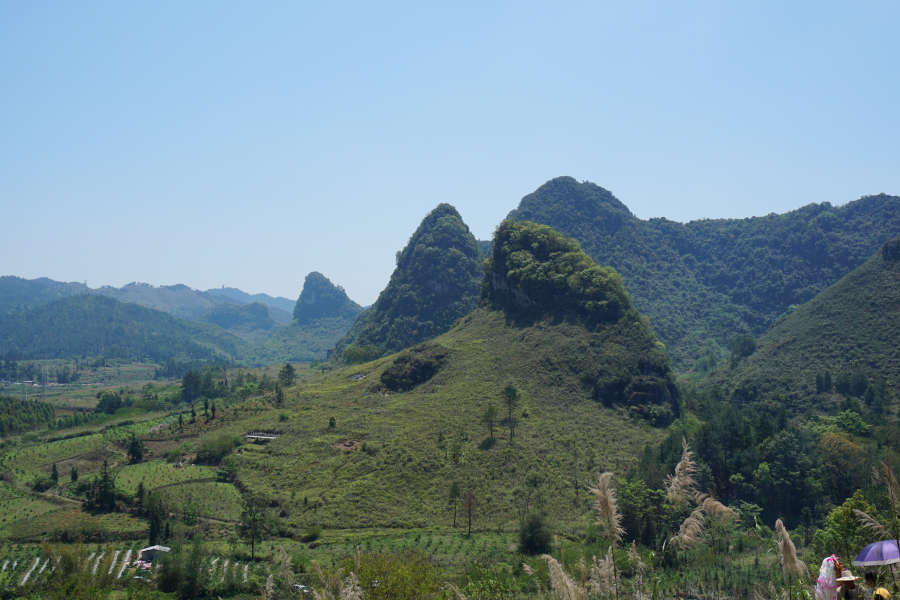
(874, 592)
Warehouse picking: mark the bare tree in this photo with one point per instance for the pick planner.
(469, 502)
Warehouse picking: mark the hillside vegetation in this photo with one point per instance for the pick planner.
(436, 281)
(323, 315)
(850, 332)
(99, 326)
(18, 294)
(705, 282)
(249, 321)
(585, 367)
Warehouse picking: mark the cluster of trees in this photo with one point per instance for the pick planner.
(855, 384)
(17, 416)
(535, 269)
(436, 282)
(13, 370)
(359, 354)
(767, 465)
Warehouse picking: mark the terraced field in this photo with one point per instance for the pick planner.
(86, 452)
(17, 507)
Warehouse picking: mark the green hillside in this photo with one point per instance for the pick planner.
(436, 281)
(18, 294)
(92, 325)
(250, 321)
(851, 331)
(586, 367)
(705, 282)
(323, 315)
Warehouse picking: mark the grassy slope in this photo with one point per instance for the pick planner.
(417, 433)
(854, 324)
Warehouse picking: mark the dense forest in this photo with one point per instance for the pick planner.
(83, 325)
(705, 282)
(436, 281)
(842, 344)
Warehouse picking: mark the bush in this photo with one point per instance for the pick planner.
(312, 533)
(534, 535)
(414, 367)
(212, 451)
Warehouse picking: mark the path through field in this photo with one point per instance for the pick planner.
(112, 565)
(124, 563)
(97, 564)
(33, 567)
(44, 566)
(4, 567)
(224, 570)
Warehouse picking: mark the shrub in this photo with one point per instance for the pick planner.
(312, 533)
(212, 451)
(534, 535)
(414, 367)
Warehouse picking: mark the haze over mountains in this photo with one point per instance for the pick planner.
(702, 284)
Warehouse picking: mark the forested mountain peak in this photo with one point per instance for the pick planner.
(436, 281)
(706, 282)
(536, 270)
(321, 298)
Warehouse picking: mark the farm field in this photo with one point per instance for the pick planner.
(157, 474)
(213, 499)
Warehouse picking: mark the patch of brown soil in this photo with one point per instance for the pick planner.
(347, 445)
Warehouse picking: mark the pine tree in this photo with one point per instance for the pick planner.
(54, 475)
(73, 474)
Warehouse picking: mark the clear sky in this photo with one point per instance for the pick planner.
(248, 143)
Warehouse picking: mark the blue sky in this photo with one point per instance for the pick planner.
(246, 144)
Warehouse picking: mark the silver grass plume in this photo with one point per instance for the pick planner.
(713, 507)
(790, 564)
(871, 524)
(456, 593)
(683, 484)
(608, 517)
(634, 558)
(563, 587)
(350, 589)
(603, 574)
(690, 533)
(269, 591)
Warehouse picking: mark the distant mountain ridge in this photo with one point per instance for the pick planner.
(224, 315)
(705, 282)
(284, 304)
(95, 325)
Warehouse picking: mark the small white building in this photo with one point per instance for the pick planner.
(152, 552)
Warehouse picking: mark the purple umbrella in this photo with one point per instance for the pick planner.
(877, 554)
